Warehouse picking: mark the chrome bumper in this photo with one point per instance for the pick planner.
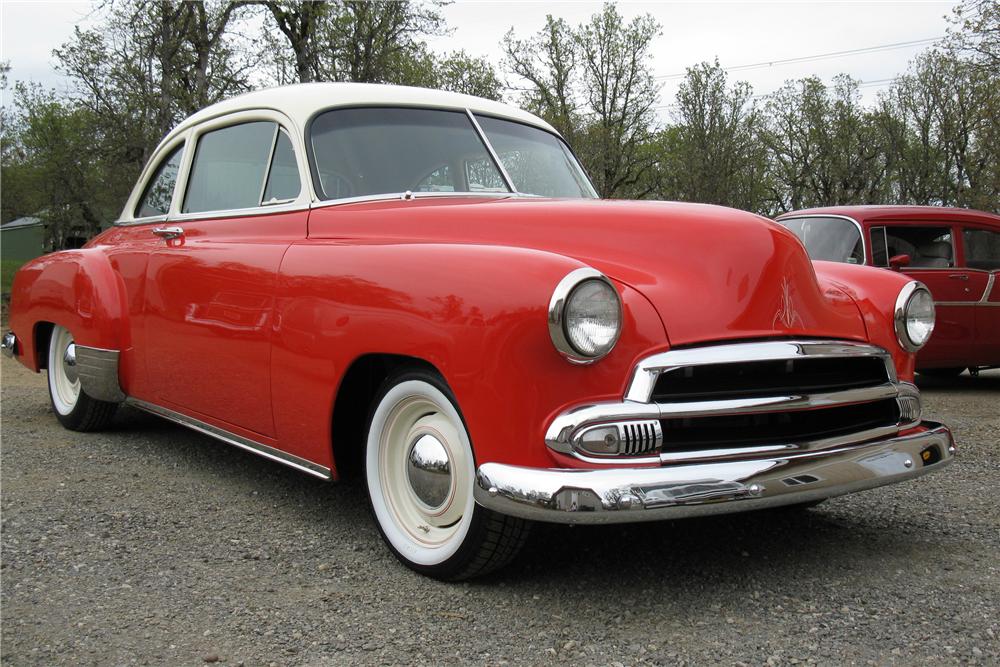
(622, 495)
(8, 344)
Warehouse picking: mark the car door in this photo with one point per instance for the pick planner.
(981, 255)
(933, 261)
(210, 284)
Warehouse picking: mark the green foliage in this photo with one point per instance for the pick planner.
(593, 83)
(8, 267)
(932, 138)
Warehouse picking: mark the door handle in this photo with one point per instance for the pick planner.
(168, 233)
(959, 276)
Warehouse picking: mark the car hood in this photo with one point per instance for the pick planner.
(712, 273)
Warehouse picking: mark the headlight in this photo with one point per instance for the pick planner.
(914, 316)
(585, 316)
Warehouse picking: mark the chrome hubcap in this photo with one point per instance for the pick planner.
(428, 470)
(69, 363)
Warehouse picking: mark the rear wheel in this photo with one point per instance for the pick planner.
(73, 407)
(420, 471)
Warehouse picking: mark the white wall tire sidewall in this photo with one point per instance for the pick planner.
(64, 397)
(397, 536)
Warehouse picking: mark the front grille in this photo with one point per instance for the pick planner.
(750, 379)
(769, 428)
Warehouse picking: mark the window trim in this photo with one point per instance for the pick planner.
(190, 137)
(320, 196)
(146, 179)
(576, 158)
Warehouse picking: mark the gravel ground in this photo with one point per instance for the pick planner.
(151, 544)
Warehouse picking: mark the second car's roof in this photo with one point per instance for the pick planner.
(300, 101)
(897, 212)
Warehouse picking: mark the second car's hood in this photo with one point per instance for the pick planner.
(712, 273)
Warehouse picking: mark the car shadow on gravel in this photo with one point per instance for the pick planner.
(985, 381)
(709, 551)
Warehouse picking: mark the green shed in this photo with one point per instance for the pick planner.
(22, 239)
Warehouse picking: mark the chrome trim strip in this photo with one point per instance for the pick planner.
(624, 495)
(267, 169)
(644, 377)
(989, 288)
(391, 196)
(493, 153)
(564, 430)
(97, 369)
(557, 306)
(8, 344)
(268, 452)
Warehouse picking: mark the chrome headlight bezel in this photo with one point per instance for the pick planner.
(561, 296)
(901, 315)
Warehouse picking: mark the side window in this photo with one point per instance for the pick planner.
(928, 247)
(283, 183)
(229, 168)
(156, 199)
(982, 249)
(880, 250)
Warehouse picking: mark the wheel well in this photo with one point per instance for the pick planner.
(354, 403)
(43, 334)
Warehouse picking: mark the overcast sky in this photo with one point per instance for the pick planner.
(737, 33)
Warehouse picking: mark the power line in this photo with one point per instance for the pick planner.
(820, 56)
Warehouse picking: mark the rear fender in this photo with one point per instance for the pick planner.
(76, 289)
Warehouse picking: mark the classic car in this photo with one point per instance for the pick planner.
(423, 287)
(955, 252)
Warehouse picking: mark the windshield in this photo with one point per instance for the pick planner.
(359, 152)
(830, 239)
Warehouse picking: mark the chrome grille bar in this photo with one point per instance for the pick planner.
(648, 370)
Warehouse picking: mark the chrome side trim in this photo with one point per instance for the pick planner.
(390, 196)
(493, 153)
(98, 372)
(644, 377)
(268, 452)
(8, 344)
(623, 495)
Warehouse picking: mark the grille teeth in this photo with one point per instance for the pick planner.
(640, 437)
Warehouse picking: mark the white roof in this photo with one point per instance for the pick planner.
(299, 102)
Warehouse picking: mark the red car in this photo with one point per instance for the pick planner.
(425, 283)
(955, 252)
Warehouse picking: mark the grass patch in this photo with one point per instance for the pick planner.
(8, 267)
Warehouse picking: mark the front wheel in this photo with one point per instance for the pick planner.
(74, 409)
(420, 471)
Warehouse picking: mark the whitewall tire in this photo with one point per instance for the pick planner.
(420, 469)
(73, 407)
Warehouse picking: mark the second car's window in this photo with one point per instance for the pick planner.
(928, 247)
(982, 249)
(229, 167)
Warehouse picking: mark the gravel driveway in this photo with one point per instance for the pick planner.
(151, 544)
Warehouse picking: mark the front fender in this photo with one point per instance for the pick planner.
(874, 291)
(77, 289)
(478, 313)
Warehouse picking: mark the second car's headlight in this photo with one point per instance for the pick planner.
(585, 316)
(914, 316)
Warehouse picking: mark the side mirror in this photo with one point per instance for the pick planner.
(897, 262)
